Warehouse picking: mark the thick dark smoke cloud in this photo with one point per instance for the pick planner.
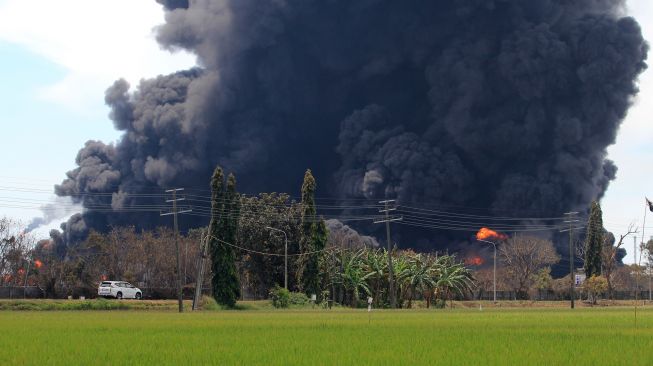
(506, 104)
(346, 236)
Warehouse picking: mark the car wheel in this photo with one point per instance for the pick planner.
(119, 296)
(138, 296)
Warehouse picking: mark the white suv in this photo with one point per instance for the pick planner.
(119, 290)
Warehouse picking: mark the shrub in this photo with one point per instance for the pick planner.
(595, 286)
(280, 297)
(209, 303)
(298, 298)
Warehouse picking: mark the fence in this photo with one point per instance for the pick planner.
(151, 293)
(550, 295)
(14, 292)
(162, 293)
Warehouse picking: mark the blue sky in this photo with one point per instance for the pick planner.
(53, 78)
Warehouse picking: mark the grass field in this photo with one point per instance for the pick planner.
(589, 336)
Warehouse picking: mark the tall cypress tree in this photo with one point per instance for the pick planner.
(310, 270)
(594, 241)
(225, 206)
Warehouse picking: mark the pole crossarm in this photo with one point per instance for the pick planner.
(388, 220)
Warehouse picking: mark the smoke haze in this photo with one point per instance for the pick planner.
(505, 104)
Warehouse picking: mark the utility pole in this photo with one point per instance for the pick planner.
(636, 270)
(174, 213)
(199, 281)
(387, 220)
(572, 274)
(648, 261)
(641, 249)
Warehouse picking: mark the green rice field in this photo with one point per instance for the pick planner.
(554, 336)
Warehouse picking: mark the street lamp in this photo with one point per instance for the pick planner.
(494, 272)
(26, 275)
(285, 256)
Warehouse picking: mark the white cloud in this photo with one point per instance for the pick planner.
(96, 42)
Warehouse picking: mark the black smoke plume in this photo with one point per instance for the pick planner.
(503, 104)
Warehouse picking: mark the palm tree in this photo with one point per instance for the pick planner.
(453, 277)
(330, 267)
(353, 276)
(401, 263)
(418, 276)
(427, 285)
(377, 266)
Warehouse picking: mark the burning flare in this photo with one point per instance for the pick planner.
(38, 263)
(485, 234)
(474, 261)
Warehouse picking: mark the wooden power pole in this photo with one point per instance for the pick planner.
(387, 220)
(199, 280)
(174, 213)
(572, 280)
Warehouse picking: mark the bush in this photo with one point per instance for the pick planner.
(595, 286)
(209, 303)
(280, 297)
(298, 298)
(440, 304)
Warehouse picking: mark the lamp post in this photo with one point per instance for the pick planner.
(26, 275)
(494, 272)
(285, 256)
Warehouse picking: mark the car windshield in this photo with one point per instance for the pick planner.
(105, 284)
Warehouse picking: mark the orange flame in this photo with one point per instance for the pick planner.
(486, 233)
(103, 277)
(38, 263)
(474, 261)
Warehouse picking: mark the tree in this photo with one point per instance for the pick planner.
(260, 273)
(418, 277)
(594, 241)
(14, 245)
(649, 251)
(313, 237)
(377, 265)
(452, 278)
(523, 257)
(610, 253)
(354, 277)
(320, 237)
(223, 230)
(543, 280)
(595, 286)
